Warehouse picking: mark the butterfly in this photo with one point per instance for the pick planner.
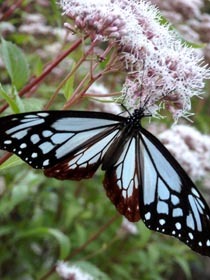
(142, 178)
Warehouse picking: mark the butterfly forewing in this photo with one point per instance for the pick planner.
(169, 201)
(44, 139)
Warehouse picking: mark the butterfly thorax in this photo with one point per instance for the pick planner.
(126, 132)
(134, 120)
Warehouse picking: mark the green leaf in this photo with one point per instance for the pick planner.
(11, 162)
(15, 63)
(63, 241)
(12, 99)
(61, 238)
(37, 65)
(5, 230)
(33, 104)
(184, 266)
(56, 12)
(69, 85)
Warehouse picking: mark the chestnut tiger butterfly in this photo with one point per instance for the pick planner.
(142, 178)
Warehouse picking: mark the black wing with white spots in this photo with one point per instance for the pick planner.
(44, 139)
(169, 201)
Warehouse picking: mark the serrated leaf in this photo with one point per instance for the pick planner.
(15, 63)
(61, 238)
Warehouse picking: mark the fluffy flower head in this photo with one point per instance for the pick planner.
(71, 272)
(194, 149)
(159, 67)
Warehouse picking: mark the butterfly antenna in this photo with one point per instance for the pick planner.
(124, 108)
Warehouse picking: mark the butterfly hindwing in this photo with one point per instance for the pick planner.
(169, 201)
(121, 181)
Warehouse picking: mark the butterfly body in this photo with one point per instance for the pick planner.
(142, 179)
(128, 129)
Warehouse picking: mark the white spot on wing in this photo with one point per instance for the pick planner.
(178, 226)
(191, 235)
(46, 162)
(29, 116)
(7, 142)
(148, 216)
(23, 145)
(162, 222)
(34, 155)
(124, 194)
(43, 114)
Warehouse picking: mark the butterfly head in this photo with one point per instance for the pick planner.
(140, 113)
(134, 119)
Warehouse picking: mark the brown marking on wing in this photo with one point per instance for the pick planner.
(127, 206)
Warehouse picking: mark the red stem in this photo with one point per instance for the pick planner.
(11, 9)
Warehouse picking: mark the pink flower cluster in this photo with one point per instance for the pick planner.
(159, 67)
(191, 18)
(194, 149)
(71, 272)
